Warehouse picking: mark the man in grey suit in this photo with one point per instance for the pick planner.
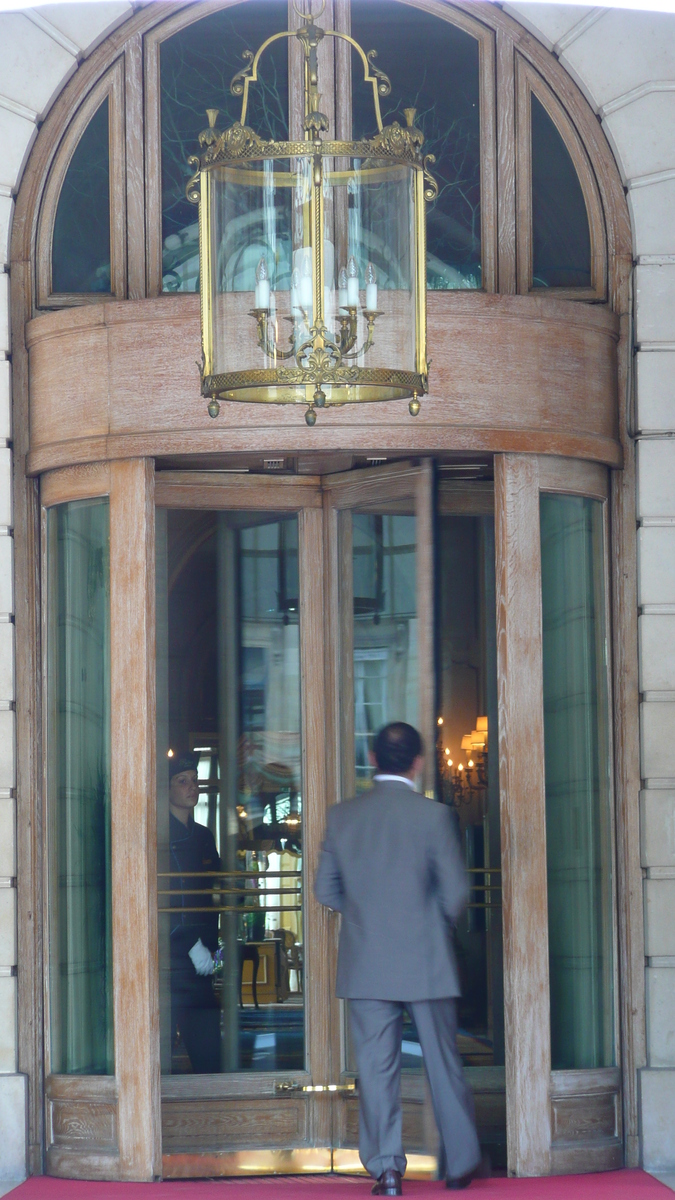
(391, 865)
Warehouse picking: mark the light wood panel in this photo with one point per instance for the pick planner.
(134, 849)
(573, 478)
(510, 372)
(185, 489)
(523, 814)
(74, 483)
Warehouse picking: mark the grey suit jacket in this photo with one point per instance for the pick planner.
(391, 864)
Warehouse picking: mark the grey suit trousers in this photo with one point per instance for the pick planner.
(377, 1028)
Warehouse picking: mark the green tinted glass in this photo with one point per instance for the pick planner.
(578, 819)
(81, 244)
(561, 242)
(78, 789)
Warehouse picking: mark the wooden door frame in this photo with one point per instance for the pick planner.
(530, 1086)
(301, 495)
(540, 1102)
(117, 1115)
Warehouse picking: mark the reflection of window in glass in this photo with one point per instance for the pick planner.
(370, 704)
(578, 819)
(81, 241)
(561, 243)
(385, 629)
(197, 65)
(445, 90)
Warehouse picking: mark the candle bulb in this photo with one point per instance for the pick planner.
(295, 291)
(306, 281)
(352, 283)
(262, 285)
(371, 288)
(342, 288)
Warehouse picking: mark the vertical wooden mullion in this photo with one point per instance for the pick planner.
(424, 554)
(488, 165)
(317, 932)
(506, 163)
(134, 842)
(523, 814)
(153, 165)
(135, 178)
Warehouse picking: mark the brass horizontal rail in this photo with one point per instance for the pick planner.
(277, 891)
(234, 908)
(228, 874)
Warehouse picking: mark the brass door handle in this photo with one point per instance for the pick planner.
(288, 1086)
(340, 1089)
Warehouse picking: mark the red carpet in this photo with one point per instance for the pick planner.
(613, 1185)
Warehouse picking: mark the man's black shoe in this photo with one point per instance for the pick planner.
(389, 1184)
(482, 1171)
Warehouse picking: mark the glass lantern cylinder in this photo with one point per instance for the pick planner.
(310, 271)
(312, 254)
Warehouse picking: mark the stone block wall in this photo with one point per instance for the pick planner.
(624, 62)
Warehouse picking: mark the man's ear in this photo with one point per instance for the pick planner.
(372, 759)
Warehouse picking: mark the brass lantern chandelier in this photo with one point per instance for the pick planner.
(327, 241)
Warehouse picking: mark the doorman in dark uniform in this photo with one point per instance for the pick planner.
(195, 1011)
(391, 865)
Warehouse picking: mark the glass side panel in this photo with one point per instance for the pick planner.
(578, 821)
(444, 88)
(561, 241)
(197, 65)
(229, 793)
(81, 240)
(78, 789)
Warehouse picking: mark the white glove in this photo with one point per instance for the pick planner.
(202, 959)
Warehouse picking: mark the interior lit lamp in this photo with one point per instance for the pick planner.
(169, 754)
(276, 235)
(439, 721)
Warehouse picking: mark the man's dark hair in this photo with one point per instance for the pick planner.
(396, 747)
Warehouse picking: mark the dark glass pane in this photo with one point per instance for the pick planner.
(468, 772)
(433, 66)
(81, 245)
(561, 243)
(197, 66)
(229, 819)
(78, 789)
(578, 822)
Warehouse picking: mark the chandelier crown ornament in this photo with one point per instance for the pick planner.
(326, 240)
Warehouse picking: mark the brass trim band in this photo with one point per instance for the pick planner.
(342, 384)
